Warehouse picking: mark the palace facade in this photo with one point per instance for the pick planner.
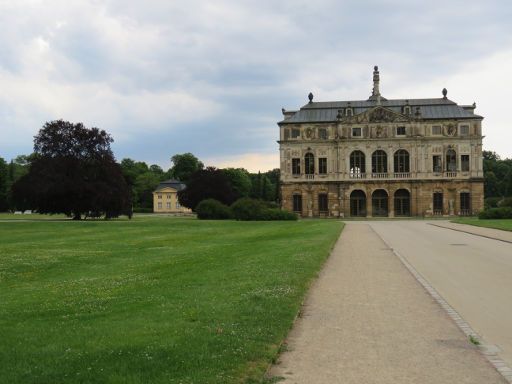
(382, 158)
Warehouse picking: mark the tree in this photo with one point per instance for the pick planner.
(240, 181)
(209, 183)
(184, 166)
(73, 171)
(4, 181)
(144, 186)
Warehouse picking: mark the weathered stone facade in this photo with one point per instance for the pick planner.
(382, 157)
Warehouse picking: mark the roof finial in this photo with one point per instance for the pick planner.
(376, 81)
(445, 92)
(310, 97)
(376, 96)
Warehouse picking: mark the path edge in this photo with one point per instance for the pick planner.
(488, 351)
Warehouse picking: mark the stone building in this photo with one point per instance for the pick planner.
(382, 158)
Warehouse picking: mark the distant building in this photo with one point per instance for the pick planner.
(165, 197)
(382, 158)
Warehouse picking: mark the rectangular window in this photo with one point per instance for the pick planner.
(356, 132)
(400, 131)
(297, 203)
(178, 206)
(169, 196)
(465, 203)
(436, 130)
(322, 202)
(159, 205)
(464, 130)
(322, 165)
(322, 133)
(168, 205)
(438, 203)
(159, 196)
(295, 133)
(464, 163)
(436, 163)
(286, 134)
(296, 166)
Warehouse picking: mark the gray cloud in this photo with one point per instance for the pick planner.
(210, 78)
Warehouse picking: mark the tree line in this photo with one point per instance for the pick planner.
(497, 176)
(73, 171)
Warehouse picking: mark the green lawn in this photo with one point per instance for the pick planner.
(504, 224)
(152, 300)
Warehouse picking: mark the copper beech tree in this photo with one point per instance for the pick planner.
(73, 171)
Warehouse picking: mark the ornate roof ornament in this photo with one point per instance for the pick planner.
(376, 96)
(310, 97)
(445, 92)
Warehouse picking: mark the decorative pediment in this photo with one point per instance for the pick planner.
(377, 115)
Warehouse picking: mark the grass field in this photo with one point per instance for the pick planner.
(152, 300)
(504, 224)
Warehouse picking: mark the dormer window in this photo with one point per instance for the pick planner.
(349, 111)
(407, 110)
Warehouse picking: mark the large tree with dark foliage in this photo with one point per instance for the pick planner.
(73, 171)
(209, 183)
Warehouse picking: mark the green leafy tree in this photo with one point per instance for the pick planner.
(4, 181)
(144, 186)
(240, 181)
(184, 165)
(73, 171)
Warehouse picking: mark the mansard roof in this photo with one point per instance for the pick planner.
(175, 184)
(327, 111)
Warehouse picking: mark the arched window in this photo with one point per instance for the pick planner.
(379, 162)
(309, 164)
(358, 203)
(402, 161)
(380, 203)
(402, 203)
(451, 161)
(357, 164)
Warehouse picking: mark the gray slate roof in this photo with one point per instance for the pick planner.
(326, 111)
(176, 184)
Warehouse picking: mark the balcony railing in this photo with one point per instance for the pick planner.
(402, 175)
(358, 175)
(380, 175)
(310, 176)
(450, 174)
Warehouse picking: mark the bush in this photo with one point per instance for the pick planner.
(506, 202)
(278, 214)
(496, 213)
(491, 202)
(247, 209)
(211, 209)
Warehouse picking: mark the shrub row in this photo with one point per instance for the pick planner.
(495, 202)
(496, 213)
(244, 209)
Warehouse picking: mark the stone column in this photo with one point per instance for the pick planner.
(369, 211)
(391, 204)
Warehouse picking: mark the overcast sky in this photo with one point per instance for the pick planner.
(210, 77)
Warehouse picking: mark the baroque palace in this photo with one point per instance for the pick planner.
(382, 158)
